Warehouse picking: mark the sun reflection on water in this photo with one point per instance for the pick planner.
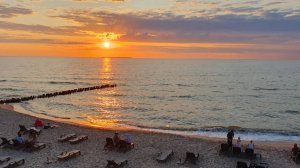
(105, 101)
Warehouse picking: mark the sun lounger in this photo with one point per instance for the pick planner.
(14, 144)
(240, 164)
(78, 139)
(190, 158)
(65, 138)
(35, 147)
(4, 159)
(253, 164)
(258, 164)
(236, 150)
(109, 144)
(14, 163)
(297, 158)
(5, 141)
(116, 163)
(69, 155)
(124, 146)
(163, 156)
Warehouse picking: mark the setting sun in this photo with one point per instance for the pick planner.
(106, 44)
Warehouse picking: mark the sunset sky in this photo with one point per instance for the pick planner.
(239, 29)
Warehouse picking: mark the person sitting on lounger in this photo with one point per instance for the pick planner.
(128, 139)
(250, 145)
(20, 139)
(32, 138)
(250, 149)
(116, 139)
(295, 151)
(238, 143)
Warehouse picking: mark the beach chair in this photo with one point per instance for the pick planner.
(225, 149)
(258, 164)
(190, 158)
(78, 139)
(124, 146)
(5, 141)
(14, 163)
(14, 144)
(116, 163)
(164, 156)
(109, 144)
(35, 147)
(236, 151)
(68, 155)
(65, 138)
(249, 153)
(297, 158)
(240, 164)
(4, 159)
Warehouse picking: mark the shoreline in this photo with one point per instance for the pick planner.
(148, 144)
(195, 134)
(141, 130)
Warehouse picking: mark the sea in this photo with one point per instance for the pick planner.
(260, 99)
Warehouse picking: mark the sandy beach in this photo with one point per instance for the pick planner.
(147, 145)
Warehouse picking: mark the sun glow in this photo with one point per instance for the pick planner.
(106, 44)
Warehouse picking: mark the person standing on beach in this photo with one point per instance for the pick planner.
(116, 139)
(295, 151)
(230, 136)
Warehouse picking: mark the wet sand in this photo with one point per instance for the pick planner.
(147, 145)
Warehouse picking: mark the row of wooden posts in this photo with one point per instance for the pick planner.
(47, 95)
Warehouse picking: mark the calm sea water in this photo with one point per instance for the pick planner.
(193, 97)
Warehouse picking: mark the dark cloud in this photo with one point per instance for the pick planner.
(168, 27)
(8, 12)
(38, 28)
(11, 39)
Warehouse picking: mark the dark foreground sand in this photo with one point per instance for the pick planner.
(147, 144)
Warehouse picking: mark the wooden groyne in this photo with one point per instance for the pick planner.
(48, 95)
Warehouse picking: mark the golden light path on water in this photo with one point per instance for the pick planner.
(106, 117)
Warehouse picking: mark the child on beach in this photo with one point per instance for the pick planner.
(238, 143)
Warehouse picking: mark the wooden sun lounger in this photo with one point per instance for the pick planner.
(65, 138)
(189, 158)
(116, 163)
(13, 145)
(163, 156)
(68, 155)
(109, 144)
(4, 159)
(35, 147)
(253, 164)
(14, 163)
(78, 139)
